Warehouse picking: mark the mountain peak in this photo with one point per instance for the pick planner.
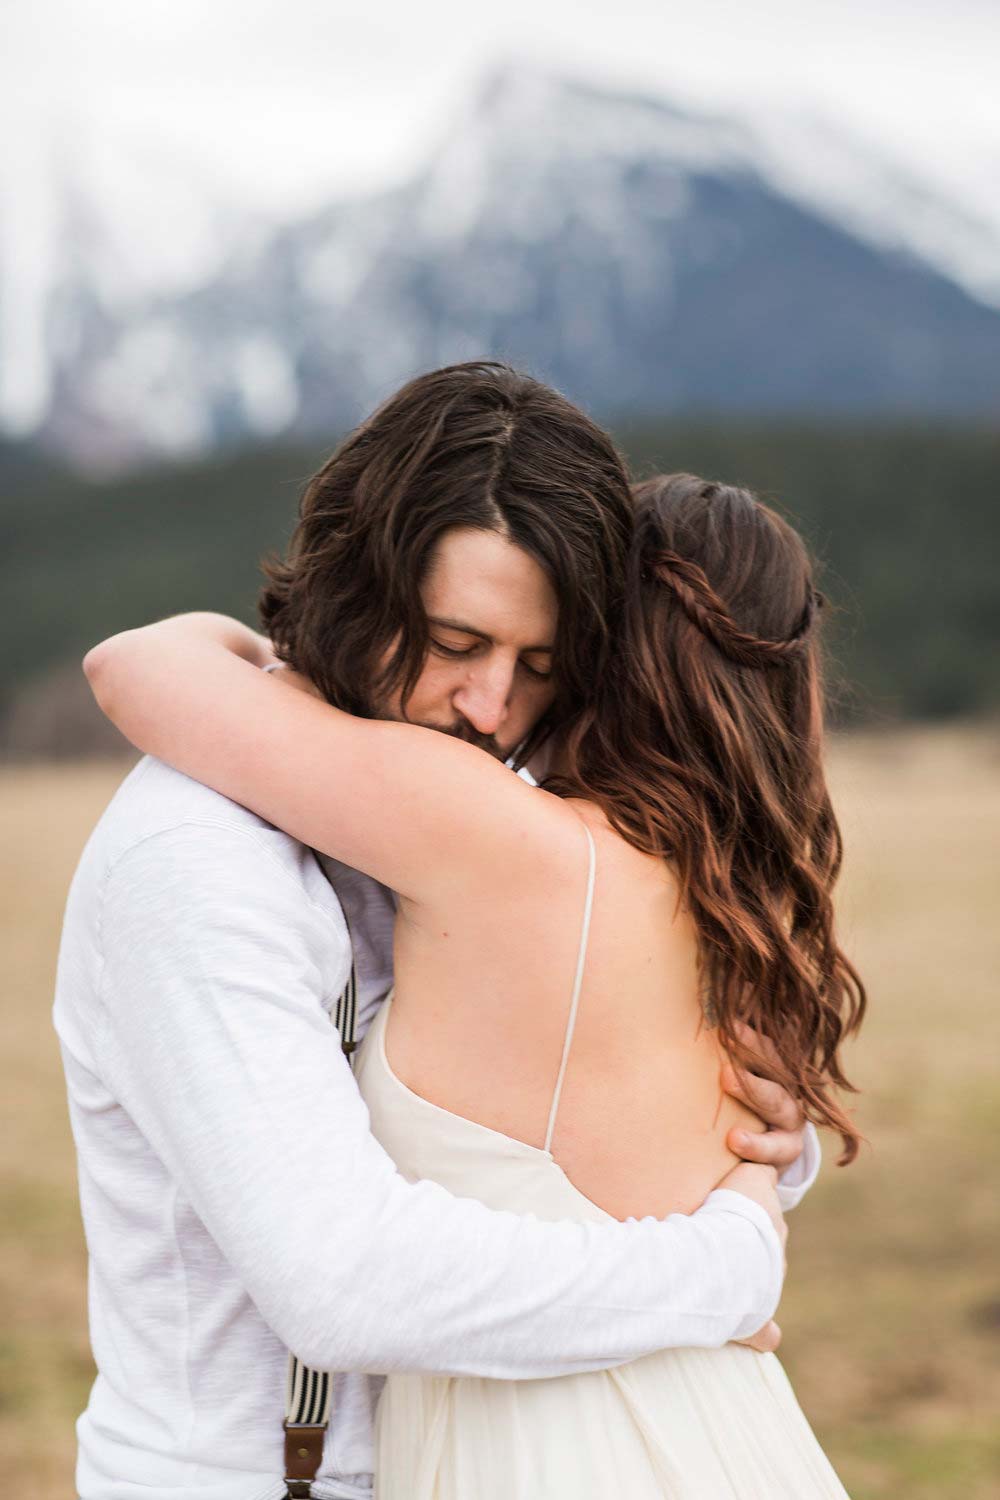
(529, 107)
(510, 88)
(638, 254)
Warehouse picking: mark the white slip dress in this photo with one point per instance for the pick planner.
(688, 1424)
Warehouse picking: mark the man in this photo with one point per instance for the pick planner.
(235, 1204)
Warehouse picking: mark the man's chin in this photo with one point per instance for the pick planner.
(462, 731)
(470, 736)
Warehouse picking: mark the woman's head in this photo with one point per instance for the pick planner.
(706, 747)
(395, 525)
(722, 626)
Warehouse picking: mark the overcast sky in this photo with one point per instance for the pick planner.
(288, 101)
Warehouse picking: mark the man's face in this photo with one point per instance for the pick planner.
(491, 616)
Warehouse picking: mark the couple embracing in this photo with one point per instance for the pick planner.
(596, 1002)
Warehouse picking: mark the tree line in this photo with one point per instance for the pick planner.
(905, 520)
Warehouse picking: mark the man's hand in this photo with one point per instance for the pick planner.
(760, 1184)
(781, 1143)
(766, 1340)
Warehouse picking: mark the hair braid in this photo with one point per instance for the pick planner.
(705, 609)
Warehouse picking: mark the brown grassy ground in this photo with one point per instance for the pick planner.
(892, 1312)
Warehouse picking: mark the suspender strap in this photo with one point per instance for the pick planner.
(345, 1015)
(309, 1392)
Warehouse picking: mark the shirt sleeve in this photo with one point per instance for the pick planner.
(215, 1039)
(796, 1180)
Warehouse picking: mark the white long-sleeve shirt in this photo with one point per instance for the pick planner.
(236, 1205)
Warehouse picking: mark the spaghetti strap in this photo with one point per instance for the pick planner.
(577, 984)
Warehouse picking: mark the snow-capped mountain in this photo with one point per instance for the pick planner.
(642, 257)
(90, 237)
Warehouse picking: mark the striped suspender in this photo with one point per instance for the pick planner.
(307, 1404)
(345, 1015)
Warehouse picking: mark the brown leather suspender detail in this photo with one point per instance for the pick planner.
(303, 1456)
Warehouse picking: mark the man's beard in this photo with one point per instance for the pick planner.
(461, 731)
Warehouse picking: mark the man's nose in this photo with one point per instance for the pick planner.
(484, 696)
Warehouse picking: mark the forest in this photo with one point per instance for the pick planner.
(904, 519)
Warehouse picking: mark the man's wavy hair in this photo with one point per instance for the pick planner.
(704, 746)
(473, 445)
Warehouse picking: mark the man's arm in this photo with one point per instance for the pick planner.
(215, 1041)
(796, 1180)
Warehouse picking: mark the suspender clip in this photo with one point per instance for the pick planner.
(303, 1456)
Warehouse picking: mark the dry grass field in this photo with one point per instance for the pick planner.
(892, 1311)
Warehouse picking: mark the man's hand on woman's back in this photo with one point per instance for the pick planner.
(781, 1143)
(761, 1184)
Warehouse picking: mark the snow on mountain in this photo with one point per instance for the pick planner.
(843, 178)
(637, 254)
(90, 234)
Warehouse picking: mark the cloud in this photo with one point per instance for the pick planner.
(290, 102)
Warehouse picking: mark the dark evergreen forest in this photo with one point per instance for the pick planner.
(905, 520)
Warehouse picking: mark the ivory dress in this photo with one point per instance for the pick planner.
(688, 1424)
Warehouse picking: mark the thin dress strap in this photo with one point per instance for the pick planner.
(577, 985)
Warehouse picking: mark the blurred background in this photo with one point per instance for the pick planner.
(761, 243)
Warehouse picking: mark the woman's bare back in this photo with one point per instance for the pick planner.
(483, 989)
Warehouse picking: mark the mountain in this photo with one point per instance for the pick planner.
(642, 257)
(91, 237)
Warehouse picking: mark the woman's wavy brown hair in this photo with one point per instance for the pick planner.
(705, 748)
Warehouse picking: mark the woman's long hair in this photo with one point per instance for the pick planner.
(706, 748)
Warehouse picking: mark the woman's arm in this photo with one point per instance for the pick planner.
(418, 810)
(223, 629)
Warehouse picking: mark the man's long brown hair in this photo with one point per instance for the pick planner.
(475, 445)
(705, 747)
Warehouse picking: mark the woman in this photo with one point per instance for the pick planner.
(571, 964)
